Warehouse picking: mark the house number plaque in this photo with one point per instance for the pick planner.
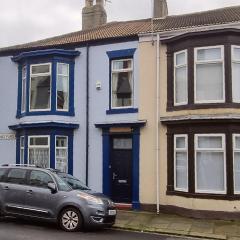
(7, 137)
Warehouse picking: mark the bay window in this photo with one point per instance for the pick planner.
(236, 74)
(209, 75)
(122, 83)
(181, 162)
(40, 87)
(62, 153)
(39, 151)
(236, 162)
(210, 163)
(180, 78)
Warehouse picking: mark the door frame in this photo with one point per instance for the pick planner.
(106, 144)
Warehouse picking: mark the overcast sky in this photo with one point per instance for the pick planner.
(28, 20)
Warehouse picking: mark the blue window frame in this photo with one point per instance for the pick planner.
(121, 81)
(51, 72)
(53, 137)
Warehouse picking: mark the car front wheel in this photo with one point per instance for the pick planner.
(70, 220)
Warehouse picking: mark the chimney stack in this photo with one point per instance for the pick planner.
(93, 15)
(160, 9)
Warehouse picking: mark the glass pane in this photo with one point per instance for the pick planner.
(61, 142)
(181, 90)
(22, 156)
(24, 72)
(237, 142)
(62, 92)
(40, 69)
(22, 141)
(209, 81)
(181, 58)
(236, 81)
(63, 69)
(122, 89)
(23, 107)
(40, 179)
(209, 54)
(2, 172)
(180, 142)
(181, 170)
(39, 157)
(40, 141)
(123, 64)
(237, 171)
(236, 53)
(122, 143)
(210, 171)
(210, 142)
(40, 92)
(17, 176)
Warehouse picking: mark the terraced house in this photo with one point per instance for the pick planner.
(145, 111)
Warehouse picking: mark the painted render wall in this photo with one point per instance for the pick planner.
(99, 103)
(8, 107)
(148, 151)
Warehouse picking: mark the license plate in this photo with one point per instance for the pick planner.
(112, 212)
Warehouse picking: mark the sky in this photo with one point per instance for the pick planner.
(23, 21)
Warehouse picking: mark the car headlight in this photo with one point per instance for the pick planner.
(90, 199)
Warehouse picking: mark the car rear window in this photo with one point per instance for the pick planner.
(17, 176)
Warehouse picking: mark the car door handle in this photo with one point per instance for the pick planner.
(29, 191)
(6, 188)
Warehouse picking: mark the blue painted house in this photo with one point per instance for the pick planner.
(71, 103)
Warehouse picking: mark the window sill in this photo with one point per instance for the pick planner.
(204, 195)
(122, 111)
(44, 113)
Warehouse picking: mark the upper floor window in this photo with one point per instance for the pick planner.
(180, 78)
(46, 82)
(122, 83)
(236, 73)
(40, 87)
(209, 75)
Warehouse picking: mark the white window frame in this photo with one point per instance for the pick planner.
(223, 149)
(38, 75)
(176, 67)
(235, 150)
(197, 62)
(175, 160)
(61, 148)
(39, 146)
(61, 63)
(234, 61)
(24, 87)
(119, 71)
(22, 148)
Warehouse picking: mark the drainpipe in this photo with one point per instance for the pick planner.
(157, 122)
(87, 112)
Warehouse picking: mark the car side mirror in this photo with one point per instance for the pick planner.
(52, 187)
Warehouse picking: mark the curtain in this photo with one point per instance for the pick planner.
(39, 157)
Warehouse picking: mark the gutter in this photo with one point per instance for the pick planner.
(157, 123)
(87, 113)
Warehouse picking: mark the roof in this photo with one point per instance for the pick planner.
(117, 30)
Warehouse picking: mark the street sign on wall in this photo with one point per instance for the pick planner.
(7, 137)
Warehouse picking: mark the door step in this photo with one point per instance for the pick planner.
(124, 206)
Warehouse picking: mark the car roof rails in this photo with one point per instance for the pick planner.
(20, 165)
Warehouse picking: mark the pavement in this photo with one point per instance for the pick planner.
(177, 225)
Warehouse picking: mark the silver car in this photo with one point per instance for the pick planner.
(41, 194)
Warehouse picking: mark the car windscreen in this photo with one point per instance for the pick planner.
(74, 182)
(62, 185)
